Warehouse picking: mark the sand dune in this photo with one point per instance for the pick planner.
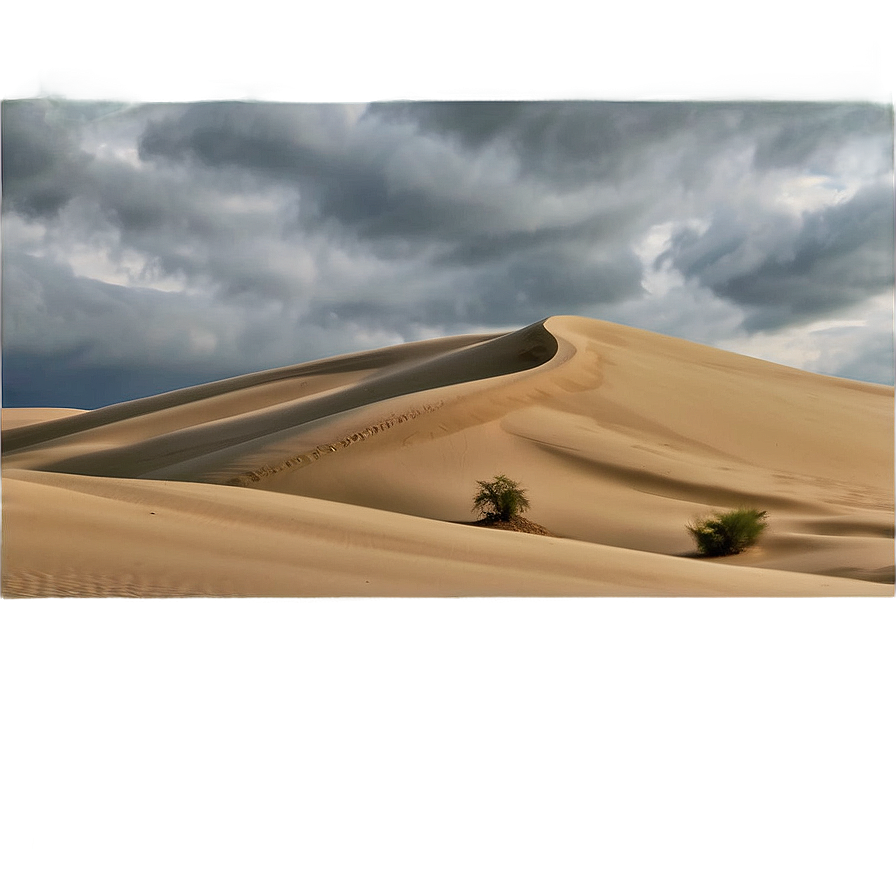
(15, 418)
(352, 475)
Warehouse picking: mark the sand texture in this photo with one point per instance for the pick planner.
(355, 476)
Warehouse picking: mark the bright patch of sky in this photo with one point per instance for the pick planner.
(806, 193)
(837, 347)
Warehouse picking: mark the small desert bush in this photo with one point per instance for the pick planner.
(500, 499)
(728, 533)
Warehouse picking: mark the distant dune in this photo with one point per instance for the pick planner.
(351, 476)
(13, 418)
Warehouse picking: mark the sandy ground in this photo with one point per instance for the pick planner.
(352, 476)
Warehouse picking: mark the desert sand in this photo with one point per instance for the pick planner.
(355, 476)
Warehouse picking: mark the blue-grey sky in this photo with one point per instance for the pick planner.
(148, 247)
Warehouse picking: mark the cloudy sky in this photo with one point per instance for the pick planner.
(149, 247)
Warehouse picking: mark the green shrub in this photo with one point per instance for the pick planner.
(500, 499)
(728, 533)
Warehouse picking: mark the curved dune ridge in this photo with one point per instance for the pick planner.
(349, 476)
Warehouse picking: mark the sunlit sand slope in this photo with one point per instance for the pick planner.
(621, 437)
(93, 536)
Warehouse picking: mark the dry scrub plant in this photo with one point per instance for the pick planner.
(728, 533)
(500, 499)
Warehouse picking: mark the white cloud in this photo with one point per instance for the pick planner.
(839, 347)
(658, 280)
(808, 193)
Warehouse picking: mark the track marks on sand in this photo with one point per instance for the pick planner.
(308, 457)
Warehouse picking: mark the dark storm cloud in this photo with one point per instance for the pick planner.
(566, 142)
(492, 246)
(312, 149)
(251, 234)
(474, 123)
(41, 160)
(354, 184)
(238, 236)
(88, 343)
(47, 308)
(30, 378)
(352, 180)
(527, 285)
(791, 134)
(183, 225)
(837, 257)
(270, 138)
(138, 205)
(534, 283)
(559, 141)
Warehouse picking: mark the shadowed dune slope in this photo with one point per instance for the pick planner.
(145, 437)
(16, 418)
(621, 437)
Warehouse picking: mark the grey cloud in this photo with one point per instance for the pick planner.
(559, 141)
(77, 342)
(456, 314)
(140, 205)
(791, 134)
(67, 313)
(184, 226)
(81, 342)
(536, 284)
(525, 286)
(474, 123)
(41, 160)
(694, 253)
(839, 256)
(348, 174)
(281, 141)
(312, 149)
(489, 247)
(278, 233)
(451, 310)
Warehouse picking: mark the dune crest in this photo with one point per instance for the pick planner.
(621, 437)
